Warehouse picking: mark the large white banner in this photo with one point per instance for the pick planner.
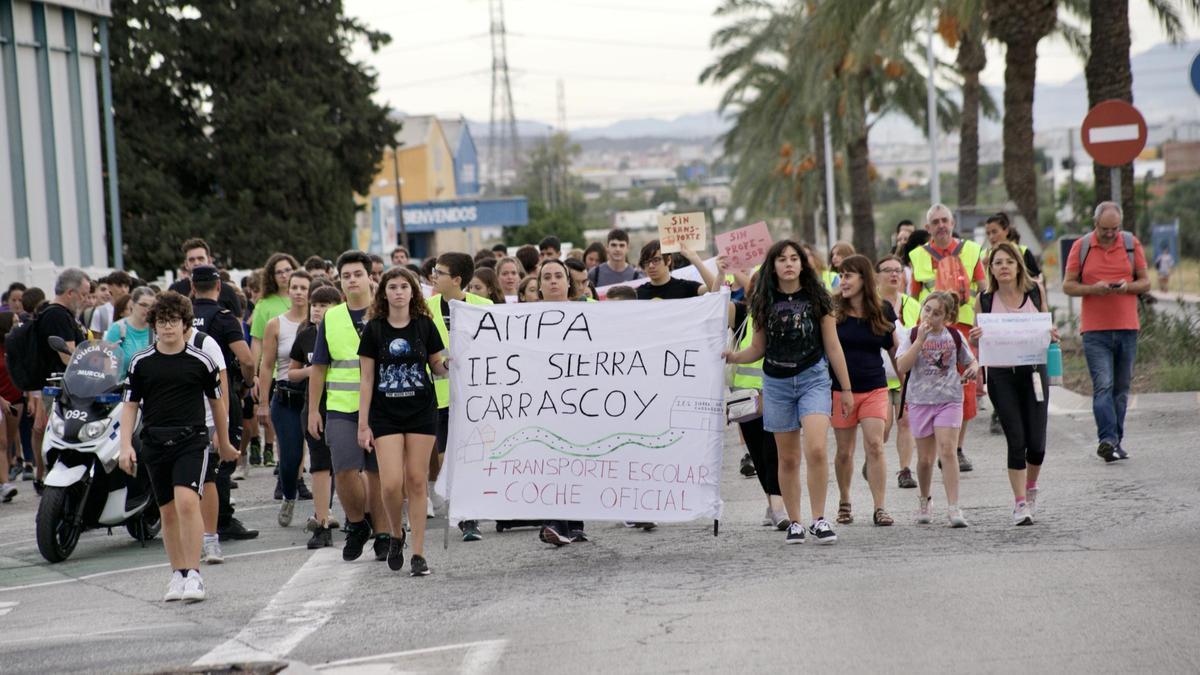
(586, 411)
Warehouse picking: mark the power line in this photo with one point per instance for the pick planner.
(612, 43)
(437, 78)
(399, 46)
(604, 78)
(631, 8)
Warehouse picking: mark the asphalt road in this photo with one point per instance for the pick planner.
(1107, 580)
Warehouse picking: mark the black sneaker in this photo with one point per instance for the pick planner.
(995, 428)
(233, 485)
(383, 542)
(268, 458)
(235, 530)
(905, 478)
(550, 535)
(255, 452)
(321, 538)
(795, 533)
(418, 568)
(577, 536)
(1121, 454)
(278, 489)
(302, 491)
(39, 487)
(357, 535)
(822, 531)
(470, 530)
(747, 467)
(395, 553)
(1108, 452)
(964, 464)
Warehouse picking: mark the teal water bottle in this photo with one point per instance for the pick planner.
(1054, 366)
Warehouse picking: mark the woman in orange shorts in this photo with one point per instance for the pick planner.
(866, 328)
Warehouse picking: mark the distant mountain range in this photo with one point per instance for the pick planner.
(1161, 90)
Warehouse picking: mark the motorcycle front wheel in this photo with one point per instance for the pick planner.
(145, 525)
(57, 533)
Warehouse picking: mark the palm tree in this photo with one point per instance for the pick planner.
(1109, 75)
(971, 61)
(1020, 25)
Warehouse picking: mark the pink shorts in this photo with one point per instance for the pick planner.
(923, 418)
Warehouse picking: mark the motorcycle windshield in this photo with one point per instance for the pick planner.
(95, 369)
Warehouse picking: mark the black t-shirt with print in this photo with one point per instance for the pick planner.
(302, 352)
(675, 289)
(404, 394)
(793, 335)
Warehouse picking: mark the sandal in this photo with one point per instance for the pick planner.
(843, 516)
(882, 518)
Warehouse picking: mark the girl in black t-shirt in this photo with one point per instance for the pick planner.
(397, 394)
(796, 336)
(866, 328)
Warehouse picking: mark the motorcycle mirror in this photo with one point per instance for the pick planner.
(58, 344)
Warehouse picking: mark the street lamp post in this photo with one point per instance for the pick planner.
(399, 195)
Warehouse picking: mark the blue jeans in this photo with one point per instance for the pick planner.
(290, 441)
(1110, 355)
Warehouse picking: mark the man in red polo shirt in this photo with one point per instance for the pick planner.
(947, 263)
(1109, 279)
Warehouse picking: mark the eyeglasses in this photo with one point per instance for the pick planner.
(890, 270)
(435, 273)
(283, 272)
(168, 323)
(656, 260)
(145, 305)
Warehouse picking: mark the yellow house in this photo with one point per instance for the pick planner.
(426, 163)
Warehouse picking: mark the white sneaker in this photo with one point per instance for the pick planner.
(955, 515)
(781, 520)
(923, 513)
(193, 587)
(1021, 514)
(211, 552)
(7, 492)
(286, 509)
(175, 588)
(1031, 496)
(768, 518)
(428, 507)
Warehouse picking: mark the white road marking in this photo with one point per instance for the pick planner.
(481, 657)
(6, 607)
(97, 575)
(304, 604)
(1114, 134)
(79, 637)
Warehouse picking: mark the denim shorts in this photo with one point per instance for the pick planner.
(788, 399)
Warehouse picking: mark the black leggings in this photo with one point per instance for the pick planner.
(1022, 416)
(765, 454)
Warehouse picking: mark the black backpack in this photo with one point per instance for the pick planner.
(23, 356)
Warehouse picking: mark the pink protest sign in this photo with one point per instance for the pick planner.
(744, 247)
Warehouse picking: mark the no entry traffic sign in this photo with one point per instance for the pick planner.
(1114, 133)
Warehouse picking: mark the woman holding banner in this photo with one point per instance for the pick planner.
(396, 345)
(1020, 394)
(796, 336)
(554, 285)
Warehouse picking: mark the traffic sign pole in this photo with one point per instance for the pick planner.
(1114, 178)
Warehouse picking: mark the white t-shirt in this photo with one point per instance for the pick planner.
(210, 347)
(102, 318)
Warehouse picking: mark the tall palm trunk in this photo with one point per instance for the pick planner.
(1020, 25)
(862, 213)
(1109, 76)
(971, 60)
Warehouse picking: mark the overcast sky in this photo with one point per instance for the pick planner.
(618, 59)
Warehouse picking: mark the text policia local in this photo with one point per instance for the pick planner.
(500, 373)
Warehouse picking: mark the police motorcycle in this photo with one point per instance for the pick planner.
(85, 489)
